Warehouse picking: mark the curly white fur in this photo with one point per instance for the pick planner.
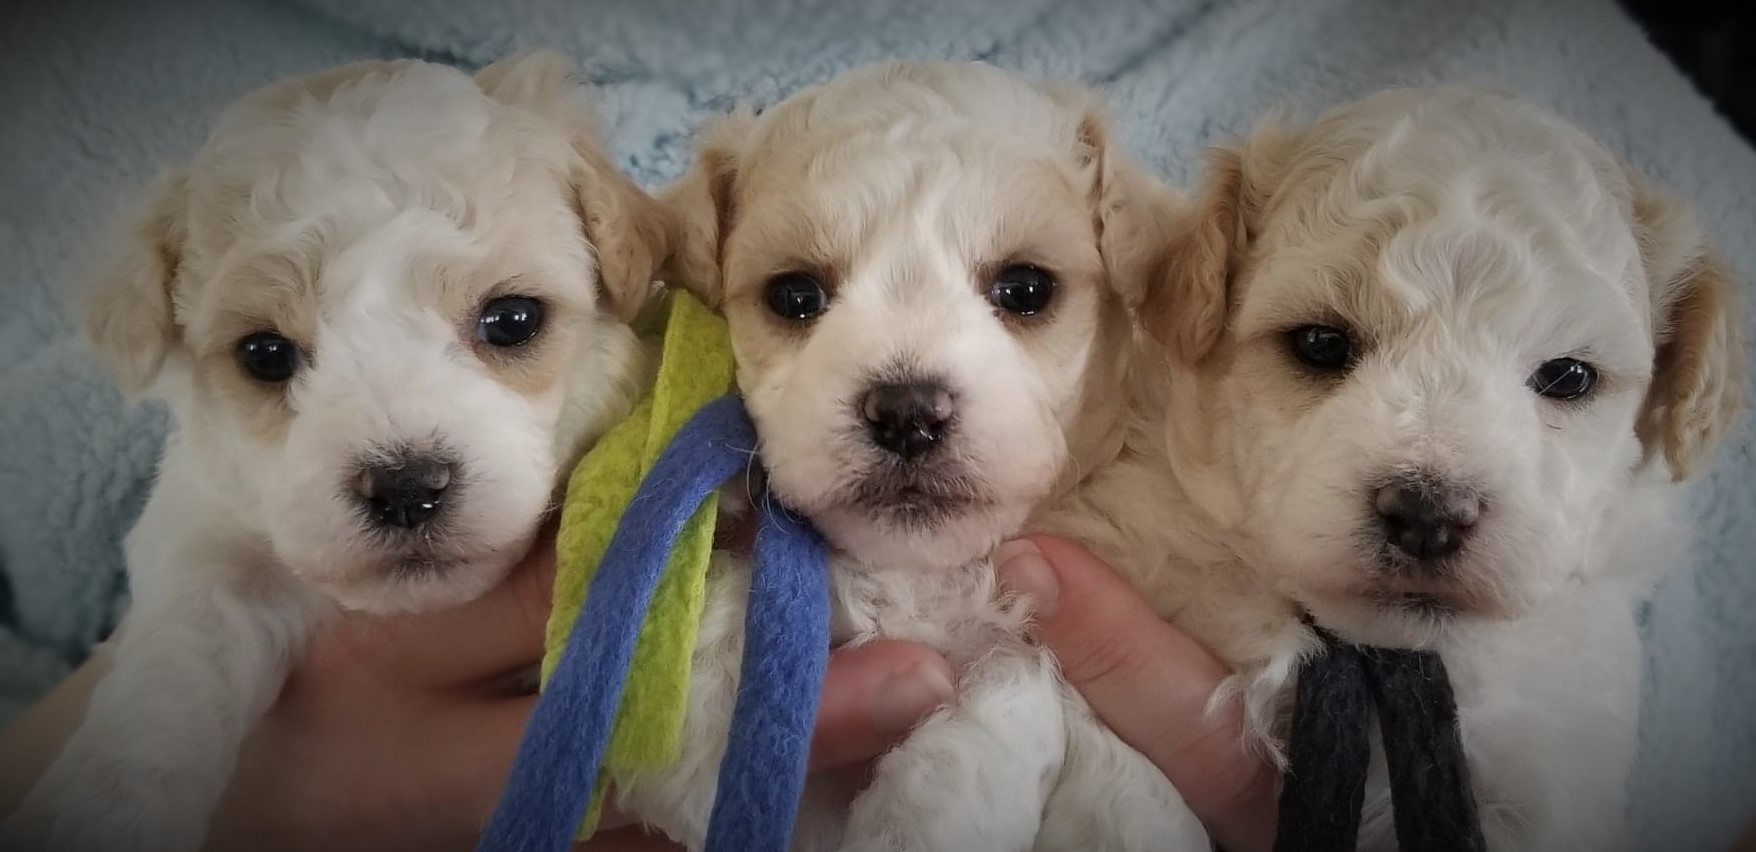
(907, 187)
(1463, 238)
(366, 213)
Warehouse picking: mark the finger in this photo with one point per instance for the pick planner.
(466, 757)
(474, 769)
(480, 640)
(873, 695)
(1147, 680)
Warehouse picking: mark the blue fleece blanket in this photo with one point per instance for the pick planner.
(97, 94)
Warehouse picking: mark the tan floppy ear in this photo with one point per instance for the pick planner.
(1186, 309)
(1134, 211)
(128, 314)
(625, 226)
(701, 205)
(1188, 306)
(1697, 387)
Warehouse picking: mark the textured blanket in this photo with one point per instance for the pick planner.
(97, 94)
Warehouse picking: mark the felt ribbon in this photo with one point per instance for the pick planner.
(786, 650)
(1325, 786)
(695, 367)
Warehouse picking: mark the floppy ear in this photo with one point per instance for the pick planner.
(1133, 210)
(1697, 387)
(625, 226)
(701, 207)
(1186, 308)
(128, 313)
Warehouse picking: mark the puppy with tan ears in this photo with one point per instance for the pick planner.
(1435, 363)
(387, 305)
(924, 268)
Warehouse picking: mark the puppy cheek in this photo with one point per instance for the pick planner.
(1550, 491)
(1548, 524)
(806, 426)
(313, 526)
(505, 443)
(1014, 439)
(1303, 486)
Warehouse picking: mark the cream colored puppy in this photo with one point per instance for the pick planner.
(1438, 359)
(387, 305)
(924, 267)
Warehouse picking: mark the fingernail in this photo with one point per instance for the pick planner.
(1023, 571)
(908, 695)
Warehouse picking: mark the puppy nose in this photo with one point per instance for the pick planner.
(1426, 520)
(405, 492)
(909, 419)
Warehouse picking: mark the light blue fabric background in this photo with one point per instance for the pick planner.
(95, 95)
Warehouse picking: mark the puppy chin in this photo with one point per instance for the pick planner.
(908, 518)
(416, 584)
(411, 580)
(1382, 624)
(1403, 615)
(941, 543)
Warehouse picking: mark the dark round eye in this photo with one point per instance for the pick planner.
(795, 296)
(509, 321)
(1022, 289)
(268, 356)
(1321, 346)
(1564, 379)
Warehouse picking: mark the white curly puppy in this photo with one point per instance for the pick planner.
(1437, 360)
(924, 267)
(387, 306)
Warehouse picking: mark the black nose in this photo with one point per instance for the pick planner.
(1427, 519)
(406, 491)
(910, 419)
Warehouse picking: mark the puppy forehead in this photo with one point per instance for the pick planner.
(392, 136)
(856, 204)
(418, 113)
(405, 174)
(366, 266)
(1509, 224)
(1457, 261)
(903, 100)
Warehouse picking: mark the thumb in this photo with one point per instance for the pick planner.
(1147, 680)
(1109, 642)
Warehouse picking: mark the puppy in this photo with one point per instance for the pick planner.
(924, 267)
(386, 305)
(1437, 360)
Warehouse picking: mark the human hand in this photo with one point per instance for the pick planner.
(398, 732)
(1149, 682)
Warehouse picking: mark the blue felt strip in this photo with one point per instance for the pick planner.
(564, 741)
(786, 646)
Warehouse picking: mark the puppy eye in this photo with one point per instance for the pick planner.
(1564, 379)
(509, 321)
(795, 296)
(1022, 289)
(1321, 346)
(268, 356)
